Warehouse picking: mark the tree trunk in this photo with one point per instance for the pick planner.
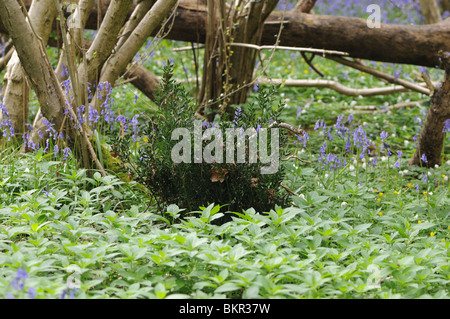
(431, 11)
(305, 6)
(34, 61)
(445, 5)
(243, 59)
(139, 76)
(228, 71)
(119, 60)
(16, 89)
(431, 138)
(104, 42)
(36, 64)
(40, 134)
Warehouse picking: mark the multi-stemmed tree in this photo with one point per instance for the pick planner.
(117, 42)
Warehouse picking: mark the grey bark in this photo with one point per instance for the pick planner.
(34, 61)
(16, 89)
(431, 11)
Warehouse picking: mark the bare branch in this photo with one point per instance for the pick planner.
(336, 86)
(5, 59)
(280, 47)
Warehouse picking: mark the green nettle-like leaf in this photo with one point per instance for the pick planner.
(229, 286)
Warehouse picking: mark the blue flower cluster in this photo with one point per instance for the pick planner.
(392, 11)
(18, 284)
(6, 126)
(51, 138)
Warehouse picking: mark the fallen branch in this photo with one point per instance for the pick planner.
(377, 109)
(336, 86)
(333, 85)
(379, 74)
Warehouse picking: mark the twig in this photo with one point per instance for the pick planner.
(5, 59)
(296, 157)
(289, 127)
(280, 47)
(309, 62)
(287, 189)
(428, 82)
(125, 81)
(272, 47)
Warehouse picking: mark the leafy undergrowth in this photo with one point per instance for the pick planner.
(362, 224)
(66, 235)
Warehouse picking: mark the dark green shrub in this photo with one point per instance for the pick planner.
(190, 185)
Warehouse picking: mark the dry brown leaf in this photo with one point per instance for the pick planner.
(218, 176)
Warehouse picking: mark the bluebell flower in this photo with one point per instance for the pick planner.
(70, 292)
(65, 71)
(47, 191)
(374, 162)
(18, 282)
(31, 293)
(330, 137)
(299, 112)
(134, 122)
(67, 151)
(304, 139)
(424, 158)
(389, 153)
(338, 124)
(396, 75)
(423, 69)
(46, 146)
(93, 115)
(446, 128)
(323, 151)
